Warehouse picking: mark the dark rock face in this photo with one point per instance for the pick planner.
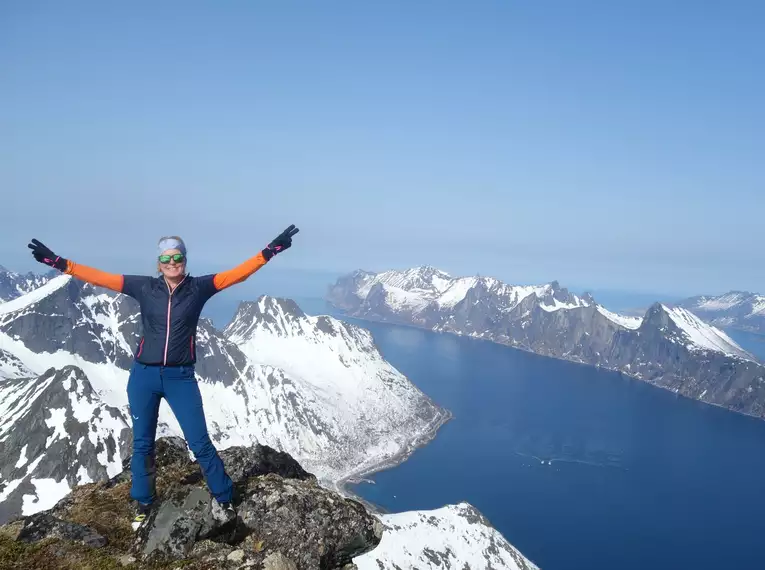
(43, 525)
(285, 520)
(244, 462)
(312, 527)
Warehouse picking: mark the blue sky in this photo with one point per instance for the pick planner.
(611, 145)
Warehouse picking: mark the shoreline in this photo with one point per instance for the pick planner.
(341, 485)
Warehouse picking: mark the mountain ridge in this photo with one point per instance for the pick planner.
(668, 347)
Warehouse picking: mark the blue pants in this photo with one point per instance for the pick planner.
(177, 384)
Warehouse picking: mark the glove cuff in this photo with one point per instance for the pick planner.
(268, 253)
(60, 263)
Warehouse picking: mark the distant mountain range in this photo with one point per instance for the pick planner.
(14, 285)
(737, 309)
(669, 346)
(315, 387)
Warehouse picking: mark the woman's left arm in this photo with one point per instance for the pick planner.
(242, 271)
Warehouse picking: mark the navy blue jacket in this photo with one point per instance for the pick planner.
(169, 318)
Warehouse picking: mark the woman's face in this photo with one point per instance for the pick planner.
(172, 268)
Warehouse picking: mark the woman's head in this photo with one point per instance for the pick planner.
(171, 257)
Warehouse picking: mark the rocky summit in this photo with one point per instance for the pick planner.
(285, 521)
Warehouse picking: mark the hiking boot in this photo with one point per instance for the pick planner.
(141, 514)
(228, 510)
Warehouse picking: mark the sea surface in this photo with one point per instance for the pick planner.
(579, 468)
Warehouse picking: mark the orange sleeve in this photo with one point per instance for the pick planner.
(239, 273)
(94, 276)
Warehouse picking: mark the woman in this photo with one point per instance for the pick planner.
(164, 361)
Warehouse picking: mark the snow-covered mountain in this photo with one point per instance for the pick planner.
(314, 387)
(426, 539)
(55, 433)
(736, 309)
(669, 347)
(423, 293)
(354, 402)
(14, 285)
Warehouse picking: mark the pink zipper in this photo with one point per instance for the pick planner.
(169, 300)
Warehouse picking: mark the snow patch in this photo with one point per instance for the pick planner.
(631, 323)
(558, 305)
(22, 457)
(48, 492)
(56, 422)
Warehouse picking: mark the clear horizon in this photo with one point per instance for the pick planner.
(608, 147)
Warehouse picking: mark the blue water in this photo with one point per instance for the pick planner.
(640, 478)
(752, 342)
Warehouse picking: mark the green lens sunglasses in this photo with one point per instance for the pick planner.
(177, 257)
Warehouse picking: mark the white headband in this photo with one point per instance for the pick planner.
(171, 243)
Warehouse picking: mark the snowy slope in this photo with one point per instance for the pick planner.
(28, 300)
(723, 302)
(701, 336)
(453, 537)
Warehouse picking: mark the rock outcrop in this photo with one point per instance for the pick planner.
(285, 520)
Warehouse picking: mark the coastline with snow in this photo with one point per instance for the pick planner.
(342, 484)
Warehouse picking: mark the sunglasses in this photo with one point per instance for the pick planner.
(177, 257)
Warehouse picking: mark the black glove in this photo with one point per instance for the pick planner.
(280, 243)
(44, 255)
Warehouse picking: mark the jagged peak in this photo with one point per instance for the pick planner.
(265, 305)
(278, 314)
(428, 270)
(677, 321)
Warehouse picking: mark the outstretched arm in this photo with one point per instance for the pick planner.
(243, 271)
(239, 273)
(93, 276)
